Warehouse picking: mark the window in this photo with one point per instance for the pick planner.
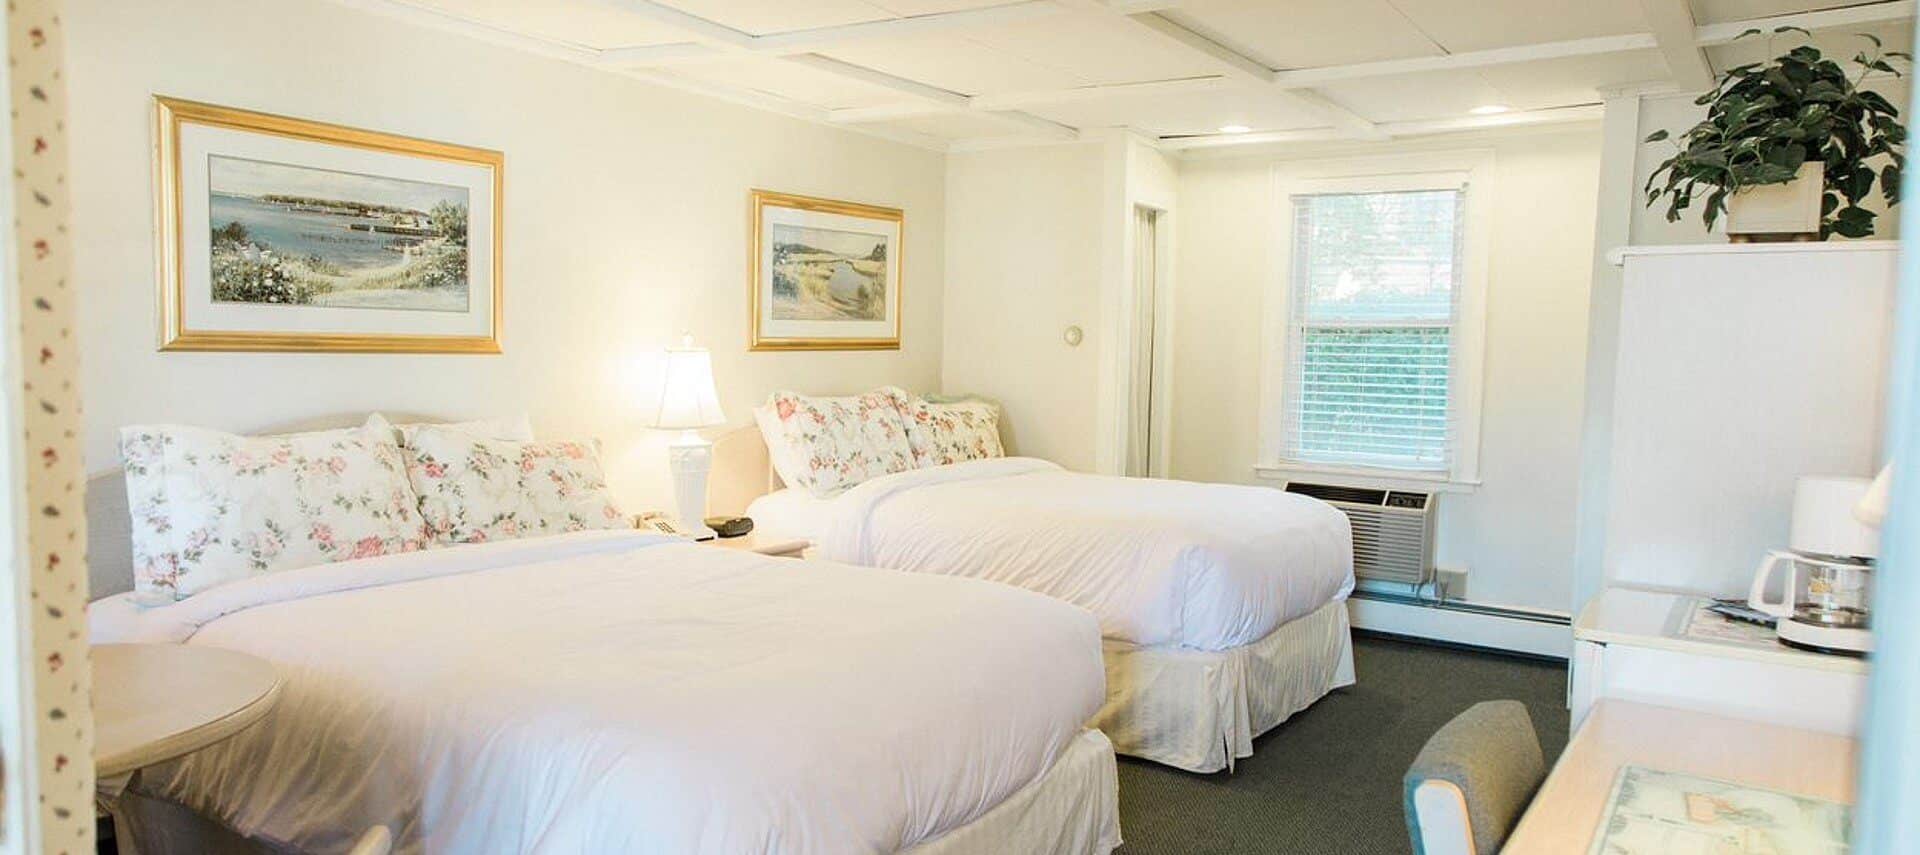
(1380, 360)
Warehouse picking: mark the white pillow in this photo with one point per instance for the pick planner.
(518, 428)
(953, 430)
(473, 489)
(827, 445)
(211, 507)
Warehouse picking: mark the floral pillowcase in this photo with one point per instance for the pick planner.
(210, 507)
(953, 431)
(474, 489)
(827, 445)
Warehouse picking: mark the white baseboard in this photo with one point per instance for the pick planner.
(1479, 630)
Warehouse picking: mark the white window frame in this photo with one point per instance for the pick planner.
(1471, 170)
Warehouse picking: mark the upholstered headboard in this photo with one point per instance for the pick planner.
(110, 529)
(742, 471)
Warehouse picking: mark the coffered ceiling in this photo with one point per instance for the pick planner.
(1192, 73)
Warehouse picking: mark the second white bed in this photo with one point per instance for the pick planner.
(1222, 606)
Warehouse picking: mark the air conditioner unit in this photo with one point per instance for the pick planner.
(1392, 529)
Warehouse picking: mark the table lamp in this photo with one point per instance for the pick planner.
(687, 403)
(1872, 509)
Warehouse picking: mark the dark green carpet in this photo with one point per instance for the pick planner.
(1328, 779)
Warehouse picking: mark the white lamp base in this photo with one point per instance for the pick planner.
(689, 457)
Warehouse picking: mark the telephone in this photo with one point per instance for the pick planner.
(659, 523)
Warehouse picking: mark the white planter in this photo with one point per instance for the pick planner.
(1779, 211)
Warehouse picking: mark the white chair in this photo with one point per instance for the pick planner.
(1474, 778)
(377, 841)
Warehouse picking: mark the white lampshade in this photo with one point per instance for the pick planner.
(1872, 508)
(687, 398)
(1823, 520)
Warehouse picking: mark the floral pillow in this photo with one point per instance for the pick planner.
(517, 427)
(475, 489)
(210, 507)
(827, 445)
(952, 431)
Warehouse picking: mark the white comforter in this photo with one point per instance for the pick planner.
(619, 692)
(1206, 566)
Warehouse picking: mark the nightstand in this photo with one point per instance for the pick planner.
(765, 544)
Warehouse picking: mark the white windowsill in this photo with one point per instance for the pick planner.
(1360, 476)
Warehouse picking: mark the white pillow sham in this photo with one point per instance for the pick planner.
(474, 489)
(827, 445)
(953, 430)
(211, 507)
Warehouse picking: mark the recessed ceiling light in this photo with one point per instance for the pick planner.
(1234, 129)
(1490, 109)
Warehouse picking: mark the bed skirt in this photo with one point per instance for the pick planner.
(1199, 710)
(1071, 809)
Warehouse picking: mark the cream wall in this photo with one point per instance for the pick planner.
(1032, 220)
(1515, 533)
(626, 223)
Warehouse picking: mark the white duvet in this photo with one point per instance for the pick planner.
(1161, 563)
(620, 692)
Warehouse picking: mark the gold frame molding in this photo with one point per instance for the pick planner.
(170, 113)
(761, 200)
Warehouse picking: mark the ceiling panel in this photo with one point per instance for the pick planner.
(1574, 80)
(1094, 47)
(1464, 25)
(1841, 44)
(908, 8)
(1186, 113)
(761, 17)
(1434, 95)
(957, 126)
(787, 80)
(1304, 33)
(1720, 11)
(587, 23)
(955, 63)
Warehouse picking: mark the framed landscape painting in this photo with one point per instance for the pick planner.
(285, 234)
(826, 274)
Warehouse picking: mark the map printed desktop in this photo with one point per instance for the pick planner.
(1652, 812)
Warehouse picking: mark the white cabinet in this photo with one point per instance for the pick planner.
(1630, 644)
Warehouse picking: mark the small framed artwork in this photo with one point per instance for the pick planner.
(825, 275)
(285, 234)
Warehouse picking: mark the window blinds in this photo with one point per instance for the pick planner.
(1375, 290)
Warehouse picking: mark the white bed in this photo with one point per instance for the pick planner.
(616, 691)
(1222, 606)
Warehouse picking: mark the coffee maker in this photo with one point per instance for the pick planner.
(1829, 561)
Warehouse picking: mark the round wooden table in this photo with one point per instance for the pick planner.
(156, 702)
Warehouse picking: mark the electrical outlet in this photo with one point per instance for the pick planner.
(1452, 581)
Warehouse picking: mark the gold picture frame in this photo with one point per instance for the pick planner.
(807, 289)
(481, 303)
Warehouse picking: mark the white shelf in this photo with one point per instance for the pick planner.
(1618, 256)
(1651, 619)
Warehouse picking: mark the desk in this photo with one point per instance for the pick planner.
(1630, 644)
(1566, 812)
(156, 702)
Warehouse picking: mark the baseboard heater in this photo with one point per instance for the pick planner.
(1440, 603)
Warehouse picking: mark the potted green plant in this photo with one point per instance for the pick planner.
(1789, 148)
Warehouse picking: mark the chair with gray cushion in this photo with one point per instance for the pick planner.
(1474, 778)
